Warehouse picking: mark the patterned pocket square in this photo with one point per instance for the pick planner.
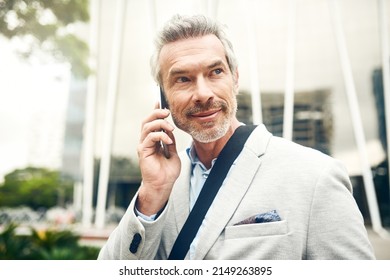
(271, 216)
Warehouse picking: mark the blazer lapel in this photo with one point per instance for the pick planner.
(181, 196)
(233, 190)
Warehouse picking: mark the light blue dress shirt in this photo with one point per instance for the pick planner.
(198, 178)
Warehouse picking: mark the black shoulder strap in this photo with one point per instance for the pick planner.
(215, 179)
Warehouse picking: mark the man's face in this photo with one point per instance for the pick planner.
(199, 86)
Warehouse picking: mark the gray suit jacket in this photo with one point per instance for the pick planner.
(310, 191)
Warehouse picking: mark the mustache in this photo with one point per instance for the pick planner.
(204, 107)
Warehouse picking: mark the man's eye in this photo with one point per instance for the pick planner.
(182, 80)
(217, 71)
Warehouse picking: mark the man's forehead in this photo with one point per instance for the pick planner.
(209, 41)
(177, 52)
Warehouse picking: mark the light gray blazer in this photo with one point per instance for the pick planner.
(309, 190)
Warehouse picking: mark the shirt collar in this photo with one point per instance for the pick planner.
(191, 152)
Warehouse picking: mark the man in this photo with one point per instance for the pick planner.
(306, 193)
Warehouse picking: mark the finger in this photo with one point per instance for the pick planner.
(156, 125)
(151, 143)
(156, 114)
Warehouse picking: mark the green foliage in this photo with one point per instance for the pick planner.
(35, 188)
(45, 26)
(12, 248)
(43, 245)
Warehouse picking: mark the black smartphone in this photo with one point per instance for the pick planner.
(163, 101)
(164, 105)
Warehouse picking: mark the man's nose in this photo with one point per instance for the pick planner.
(203, 91)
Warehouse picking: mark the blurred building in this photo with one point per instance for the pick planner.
(312, 121)
(46, 116)
(124, 174)
(377, 86)
(381, 170)
(74, 129)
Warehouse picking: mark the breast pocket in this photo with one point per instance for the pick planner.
(256, 230)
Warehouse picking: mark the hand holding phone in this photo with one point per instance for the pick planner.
(164, 105)
(159, 174)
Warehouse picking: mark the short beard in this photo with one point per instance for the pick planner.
(212, 134)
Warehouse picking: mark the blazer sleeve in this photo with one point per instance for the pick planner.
(133, 238)
(336, 228)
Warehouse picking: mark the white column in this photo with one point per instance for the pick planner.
(253, 64)
(77, 196)
(154, 88)
(356, 120)
(112, 91)
(89, 125)
(384, 31)
(152, 18)
(288, 115)
(212, 8)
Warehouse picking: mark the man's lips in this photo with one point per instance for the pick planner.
(206, 114)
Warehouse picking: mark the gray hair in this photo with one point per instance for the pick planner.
(184, 27)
